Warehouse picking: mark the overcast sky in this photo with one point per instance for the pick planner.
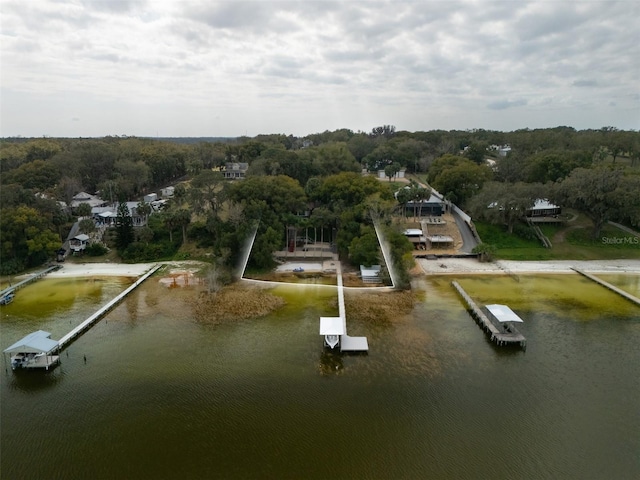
(206, 68)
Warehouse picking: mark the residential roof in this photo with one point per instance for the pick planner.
(370, 271)
(82, 237)
(332, 326)
(543, 204)
(413, 231)
(502, 313)
(36, 342)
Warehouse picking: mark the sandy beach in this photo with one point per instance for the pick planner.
(440, 266)
(101, 270)
(470, 265)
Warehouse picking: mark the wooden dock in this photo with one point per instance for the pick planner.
(500, 338)
(89, 322)
(27, 281)
(613, 288)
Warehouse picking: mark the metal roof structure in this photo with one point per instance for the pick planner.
(502, 313)
(332, 326)
(36, 342)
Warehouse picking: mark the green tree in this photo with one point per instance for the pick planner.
(597, 193)
(264, 246)
(26, 238)
(144, 209)
(87, 226)
(458, 178)
(205, 192)
(506, 203)
(38, 174)
(391, 170)
(182, 219)
(124, 227)
(365, 250)
(83, 210)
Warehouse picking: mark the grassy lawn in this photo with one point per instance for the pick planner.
(572, 241)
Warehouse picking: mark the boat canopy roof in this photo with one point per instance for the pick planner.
(36, 342)
(502, 313)
(332, 326)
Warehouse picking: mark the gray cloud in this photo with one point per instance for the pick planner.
(497, 65)
(504, 104)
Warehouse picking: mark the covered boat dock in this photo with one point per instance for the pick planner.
(334, 329)
(34, 351)
(506, 318)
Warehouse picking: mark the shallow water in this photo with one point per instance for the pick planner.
(162, 396)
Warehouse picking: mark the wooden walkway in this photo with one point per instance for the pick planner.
(613, 288)
(500, 338)
(89, 322)
(27, 281)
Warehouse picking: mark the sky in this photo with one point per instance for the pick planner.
(90, 68)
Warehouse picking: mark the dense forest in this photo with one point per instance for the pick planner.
(314, 183)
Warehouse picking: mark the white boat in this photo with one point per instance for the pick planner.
(331, 340)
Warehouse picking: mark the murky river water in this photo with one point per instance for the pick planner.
(162, 396)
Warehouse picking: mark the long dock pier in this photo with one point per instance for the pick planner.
(500, 338)
(27, 281)
(89, 322)
(613, 288)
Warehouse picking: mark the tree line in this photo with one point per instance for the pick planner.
(312, 182)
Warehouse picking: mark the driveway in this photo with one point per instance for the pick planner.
(468, 240)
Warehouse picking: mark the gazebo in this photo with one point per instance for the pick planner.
(34, 351)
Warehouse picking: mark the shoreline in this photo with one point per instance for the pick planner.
(458, 266)
(443, 266)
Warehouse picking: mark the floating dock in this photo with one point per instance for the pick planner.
(36, 276)
(88, 323)
(613, 288)
(500, 338)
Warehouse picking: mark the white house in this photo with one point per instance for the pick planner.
(84, 197)
(235, 170)
(79, 243)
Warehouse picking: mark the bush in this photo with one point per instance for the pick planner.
(141, 252)
(9, 267)
(524, 231)
(96, 250)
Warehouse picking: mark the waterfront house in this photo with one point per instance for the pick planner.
(235, 170)
(79, 243)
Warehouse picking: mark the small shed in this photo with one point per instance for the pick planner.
(79, 243)
(370, 274)
(167, 192)
(150, 197)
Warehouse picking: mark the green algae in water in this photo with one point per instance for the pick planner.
(565, 295)
(628, 282)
